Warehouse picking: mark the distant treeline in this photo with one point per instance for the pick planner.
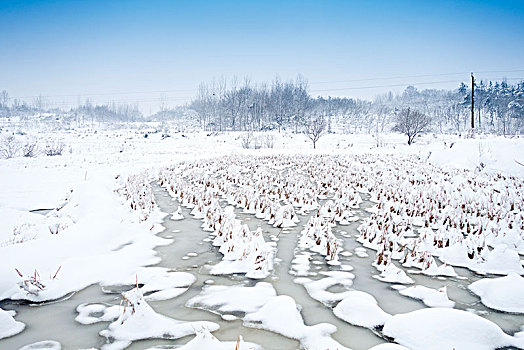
(234, 105)
(222, 105)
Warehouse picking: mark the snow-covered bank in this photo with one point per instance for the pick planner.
(95, 238)
(488, 154)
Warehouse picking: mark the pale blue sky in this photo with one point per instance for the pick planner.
(106, 49)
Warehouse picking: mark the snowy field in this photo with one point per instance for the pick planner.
(194, 242)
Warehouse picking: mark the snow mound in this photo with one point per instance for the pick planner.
(205, 340)
(177, 215)
(300, 264)
(43, 345)
(503, 293)
(281, 315)
(8, 325)
(361, 309)
(430, 297)
(94, 313)
(388, 346)
(139, 321)
(224, 299)
(158, 283)
(438, 328)
(393, 274)
(502, 260)
(318, 289)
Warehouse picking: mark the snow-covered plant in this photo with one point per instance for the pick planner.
(30, 148)
(139, 194)
(246, 139)
(55, 228)
(31, 284)
(269, 141)
(9, 146)
(19, 235)
(54, 148)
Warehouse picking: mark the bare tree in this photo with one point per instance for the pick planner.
(40, 102)
(301, 100)
(163, 102)
(4, 98)
(411, 123)
(314, 129)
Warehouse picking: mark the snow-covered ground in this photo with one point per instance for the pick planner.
(444, 212)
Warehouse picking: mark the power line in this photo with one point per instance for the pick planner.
(415, 76)
(127, 101)
(180, 98)
(385, 78)
(396, 85)
(382, 86)
(109, 93)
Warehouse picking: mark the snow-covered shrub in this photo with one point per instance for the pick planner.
(30, 148)
(138, 193)
(269, 141)
(246, 139)
(257, 142)
(54, 148)
(20, 234)
(9, 147)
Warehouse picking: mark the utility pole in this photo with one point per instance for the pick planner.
(329, 116)
(472, 102)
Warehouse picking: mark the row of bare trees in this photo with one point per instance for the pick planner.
(243, 105)
(234, 105)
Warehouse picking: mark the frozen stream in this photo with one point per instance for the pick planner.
(55, 321)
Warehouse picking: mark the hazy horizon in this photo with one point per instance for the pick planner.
(143, 52)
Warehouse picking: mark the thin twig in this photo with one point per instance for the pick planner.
(56, 273)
